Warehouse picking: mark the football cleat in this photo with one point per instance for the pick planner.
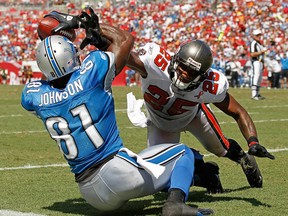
(181, 209)
(207, 175)
(251, 170)
(175, 206)
(215, 185)
(258, 97)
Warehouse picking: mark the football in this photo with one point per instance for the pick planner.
(46, 25)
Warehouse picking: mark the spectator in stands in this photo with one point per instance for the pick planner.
(284, 71)
(130, 77)
(268, 65)
(235, 67)
(276, 70)
(3, 75)
(247, 69)
(224, 27)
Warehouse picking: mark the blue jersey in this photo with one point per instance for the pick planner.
(284, 63)
(80, 118)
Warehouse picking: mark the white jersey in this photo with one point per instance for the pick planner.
(168, 108)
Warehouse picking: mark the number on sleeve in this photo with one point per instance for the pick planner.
(162, 59)
(209, 84)
(33, 87)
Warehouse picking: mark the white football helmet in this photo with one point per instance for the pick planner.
(56, 57)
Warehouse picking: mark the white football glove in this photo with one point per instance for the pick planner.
(135, 115)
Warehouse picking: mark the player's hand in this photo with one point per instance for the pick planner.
(93, 31)
(66, 21)
(259, 151)
(93, 37)
(91, 21)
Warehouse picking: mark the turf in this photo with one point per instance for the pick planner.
(52, 190)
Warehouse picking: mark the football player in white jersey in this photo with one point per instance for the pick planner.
(177, 89)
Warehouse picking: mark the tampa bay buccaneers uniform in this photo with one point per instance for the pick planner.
(177, 90)
(171, 111)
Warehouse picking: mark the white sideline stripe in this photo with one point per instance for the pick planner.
(20, 115)
(5, 116)
(16, 213)
(233, 122)
(65, 165)
(257, 121)
(274, 106)
(124, 110)
(20, 132)
(269, 150)
(34, 167)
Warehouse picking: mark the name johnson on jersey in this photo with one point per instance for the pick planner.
(56, 97)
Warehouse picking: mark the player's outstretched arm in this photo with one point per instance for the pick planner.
(121, 44)
(246, 125)
(134, 61)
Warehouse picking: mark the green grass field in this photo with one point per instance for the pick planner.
(35, 179)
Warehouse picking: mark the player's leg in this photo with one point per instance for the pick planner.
(121, 178)
(247, 162)
(204, 175)
(207, 130)
(180, 180)
(157, 136)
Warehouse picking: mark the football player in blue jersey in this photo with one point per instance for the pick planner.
(77, 108)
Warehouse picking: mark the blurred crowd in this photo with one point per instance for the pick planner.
(225, 25)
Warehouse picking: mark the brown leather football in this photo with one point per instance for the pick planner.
(46, 25)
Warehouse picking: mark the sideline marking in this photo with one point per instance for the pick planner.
(257, 121)
(16, 213)
(21, 115)
(34, 166)
(66, 165)
(233, 122)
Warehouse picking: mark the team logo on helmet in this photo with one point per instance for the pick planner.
(195, 64)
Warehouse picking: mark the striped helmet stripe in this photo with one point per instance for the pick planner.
(51, 57)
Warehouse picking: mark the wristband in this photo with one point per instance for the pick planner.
(252, 141)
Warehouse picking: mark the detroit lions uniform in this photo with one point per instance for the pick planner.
(81, 119)
(171, 111)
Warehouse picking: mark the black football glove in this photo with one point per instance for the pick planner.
(91, 21)
(94, 38)
(66, 21)
(259, 151)
(93, 31)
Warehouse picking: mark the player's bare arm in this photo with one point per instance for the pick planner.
(136, 64)
(232, 108)
(134, 61)
(121, 44)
